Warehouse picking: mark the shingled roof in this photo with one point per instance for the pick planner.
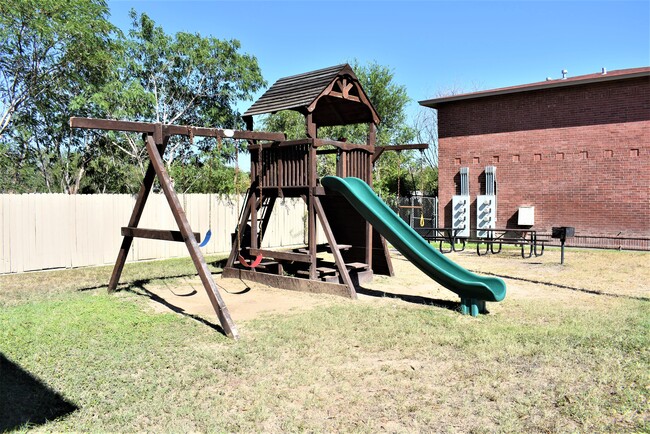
(333, 95)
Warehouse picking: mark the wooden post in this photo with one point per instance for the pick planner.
(372, 136)
(311, 126)
(136, 214)
(241, 225)
(338, 259)
(192, 246)
(311, 212)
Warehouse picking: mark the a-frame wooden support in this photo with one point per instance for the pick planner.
(334, 247)
(156, 137)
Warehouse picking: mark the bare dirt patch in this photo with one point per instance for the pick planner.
(587, 276)
(245, 300)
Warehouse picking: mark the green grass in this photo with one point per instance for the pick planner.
(347, 367)
(18, 288)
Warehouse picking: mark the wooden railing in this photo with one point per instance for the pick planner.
(287, 164)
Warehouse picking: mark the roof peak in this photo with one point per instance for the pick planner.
(333, 95)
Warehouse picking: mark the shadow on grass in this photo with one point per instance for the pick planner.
(27, 401)
(138, 288)
(558, 285)
(416, 299)
(125, 284)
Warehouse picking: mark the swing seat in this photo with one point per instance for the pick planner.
(254, 264)
(206, 240)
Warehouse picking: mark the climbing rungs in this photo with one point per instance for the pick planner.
(326, 270)
(356, 265)
(323, 273)
(157, 234)
(340, 246)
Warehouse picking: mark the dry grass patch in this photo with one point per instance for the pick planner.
(547, 359)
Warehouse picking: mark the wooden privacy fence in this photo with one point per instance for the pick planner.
(45, 231)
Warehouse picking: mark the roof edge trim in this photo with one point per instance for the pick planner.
(434, 102)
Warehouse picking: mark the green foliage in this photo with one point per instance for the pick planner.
(208, 173)
(180, 79)
(187, 78)
(48, 43)
(63, 58)
(51, 50)
(289, 122)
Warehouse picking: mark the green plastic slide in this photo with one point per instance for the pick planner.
(474, 290)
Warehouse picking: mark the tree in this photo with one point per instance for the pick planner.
(189, 79)
(63, 58)
(43, 42)
(426, 120)
(180, 79)
(50, 50)
(426, 130)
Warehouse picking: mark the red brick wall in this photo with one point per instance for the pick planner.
(579, 154)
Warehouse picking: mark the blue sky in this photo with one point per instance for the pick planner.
(431, 46)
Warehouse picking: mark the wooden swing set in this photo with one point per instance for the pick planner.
(156, 136)
(280, 169)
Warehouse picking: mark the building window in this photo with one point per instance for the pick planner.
(457, 161)
(559, 156)
(476, 160)
(609, 153)
(495, 159)
(537, 157)
(584, 155)
(516, 158)
(634, 152)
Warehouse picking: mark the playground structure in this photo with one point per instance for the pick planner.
(354, 220)
(327, 97)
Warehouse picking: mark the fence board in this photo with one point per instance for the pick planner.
(5, 264)
(42, 231)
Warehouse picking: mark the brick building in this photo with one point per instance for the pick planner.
(576, 149)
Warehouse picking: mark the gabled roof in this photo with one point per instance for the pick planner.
(333, 95)
(619, 74)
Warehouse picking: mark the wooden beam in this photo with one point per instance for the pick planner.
(344, 145)
(192, 246)
(344, 96)
(157, 234)
(380, 149)
(136, 214)
(314, 142)
(281, 144)
(338, 259)
(168, 129)
(287, 282)
(420, 146)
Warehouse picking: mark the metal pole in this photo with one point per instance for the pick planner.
(562, 251)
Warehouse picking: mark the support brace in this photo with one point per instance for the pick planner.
(156, 137)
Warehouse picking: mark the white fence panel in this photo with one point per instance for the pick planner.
(44, 231)
(5, 265)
